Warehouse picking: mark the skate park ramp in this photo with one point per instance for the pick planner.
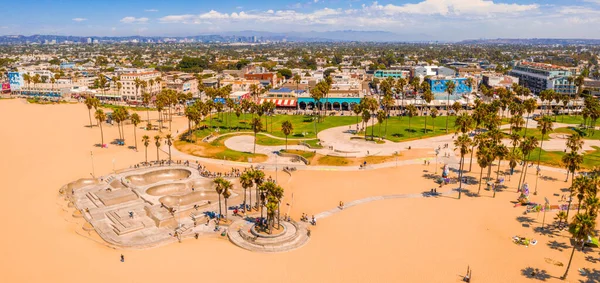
(189, 199)
(158, 176)
(179, 188)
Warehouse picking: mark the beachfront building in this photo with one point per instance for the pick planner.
(239, 84)
(185, 83)
(432, 70)
(495, 80)
(538, 77)
(283, 98)
(396, 74)
(438, 84)
(129, 90)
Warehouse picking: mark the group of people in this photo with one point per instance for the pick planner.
(312, 221)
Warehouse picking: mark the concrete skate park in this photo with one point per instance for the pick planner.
(145, 207)
(151, 206)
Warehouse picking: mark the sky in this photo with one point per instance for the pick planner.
(438, 19)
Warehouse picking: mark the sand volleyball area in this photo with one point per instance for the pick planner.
(388, 230)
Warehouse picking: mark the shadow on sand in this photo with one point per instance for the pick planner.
(558, 246)
(535, 273)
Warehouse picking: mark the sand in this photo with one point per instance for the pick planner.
(403, 240)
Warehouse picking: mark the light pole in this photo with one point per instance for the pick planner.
(437, 151)
(93, 171)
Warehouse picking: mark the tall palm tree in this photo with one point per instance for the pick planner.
(259, 178)
(428, 97)
(411, 111)
(246, 182)
(380, 118)
(545, 126)
(450, 87)
(135, 120)
(582, 227)
(530, 106)
(138, 83)
(286, 129)
(146, 141)
(434, 114)
(227, 187)
(219, 188)
(463, 143)
(501, 152)
(366, 116)
(100, 116)
(169, 140)
(146, 100)
(483, 161)
(256, 127)
(527, 146)
(157, 140)
(575, 142)
(513, 159)
(91, 102)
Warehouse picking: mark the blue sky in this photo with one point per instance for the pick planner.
(441, 19)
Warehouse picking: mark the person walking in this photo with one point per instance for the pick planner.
(122, 258)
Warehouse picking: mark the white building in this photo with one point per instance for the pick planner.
(129, 90)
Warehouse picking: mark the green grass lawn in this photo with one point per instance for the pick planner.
(569, 119)
(591, 159)
(304, 126)
(588, 135)
(398, 129)
(530, 132)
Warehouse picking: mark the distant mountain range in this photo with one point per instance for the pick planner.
(312, 36)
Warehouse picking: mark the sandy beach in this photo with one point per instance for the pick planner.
(402, 240)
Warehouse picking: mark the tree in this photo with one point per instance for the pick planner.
(366, 116)
(411, 111)
(434, 114)
(91, 102)
(138, 83)
(501, 152)
(357, 110)
(428, 97)
(483, 152)
(100, 116)
(246, 182)
(259, 178)
(463, 123)
(256, 127)
(157, 139)
(450, 86)
(146, 141)
(286, 128)
(297, 79)
(527, 146)
(530, 106)
(575, 142)
(456, 106)
(380, 118)
(219, 188)
(463, 143)
(146, 100)
(582, 227)
(169, 140)
(545, 126)
(135, 120)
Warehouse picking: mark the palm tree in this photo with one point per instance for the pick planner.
(219, 187)
(513, 159)
(387, 102)
(434, 114)
(482, 161)
(450, 86)
(259, 178)
(463, 143)
(456, 106)
(572, 162)
(227, 187)
(169, 140)
(246, 182)
(527, 146)
(428, 97)
(146, 100)
(135, 120)
(296, 79)
(157, 143)
(463, 123)
(256, 127)
(544, 125)
(366, 116)
(380, 118)
(91, 102)
(575, 142)
(146, 141)
(582, 227)
(411, 111)
(286, 128)
(100, 116)
(530, 106)
(501, 152)
(138, 83)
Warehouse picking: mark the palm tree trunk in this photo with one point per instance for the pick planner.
(220, 206)
(480, 178)
(569, 265)
(447, 111)
(146, 154)
(460, 172)
(498, 171)
(254, 142)
(286, 142)
(135, 137)
(90, 114)
(226, 208)
(101, 134)
(157, 158)
(540, 152)
(169, 152)
(471, 159)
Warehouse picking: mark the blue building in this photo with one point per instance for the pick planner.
(396, 74)
(439, 85)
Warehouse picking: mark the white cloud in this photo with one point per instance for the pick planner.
(452, 8)
(592, 1)
(151, 10)
(131, 20)
(79, 19)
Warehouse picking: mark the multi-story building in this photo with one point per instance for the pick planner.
(391, 73)
(538, 77)
(129, 90)
(183, 83)
(499, 80)
(269, 78)
(438, 84)
(239, 84)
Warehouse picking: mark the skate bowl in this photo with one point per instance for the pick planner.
(82, 183)
(158, 176)
(179, 188)
(189, 199)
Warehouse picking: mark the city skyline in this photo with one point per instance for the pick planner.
(447, 20)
